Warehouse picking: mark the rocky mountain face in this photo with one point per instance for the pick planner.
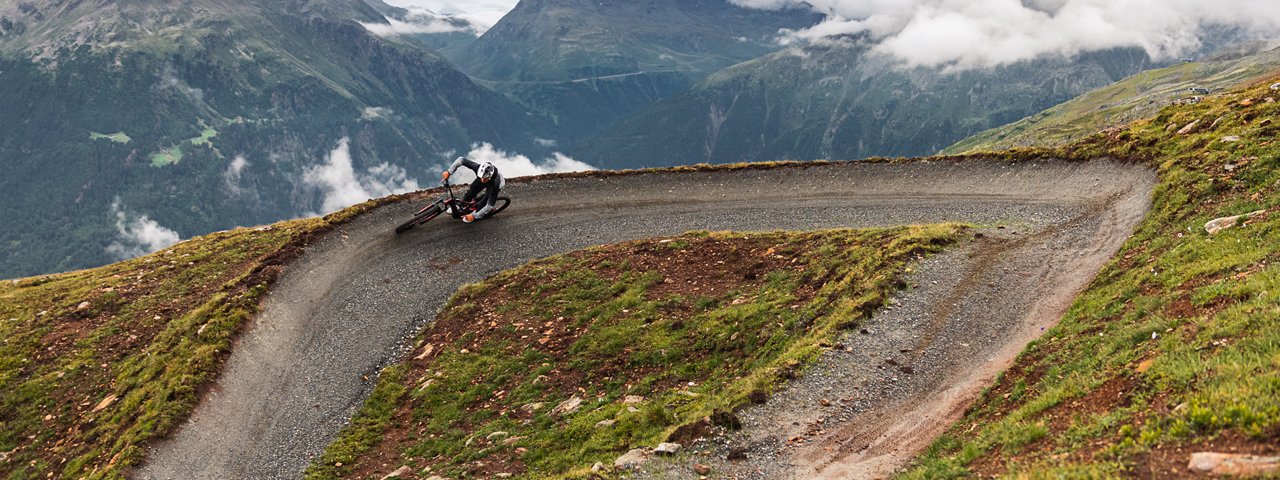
(835, 101)
(202, 115)
(589, 63)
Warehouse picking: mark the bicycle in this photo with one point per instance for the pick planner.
(459, 208)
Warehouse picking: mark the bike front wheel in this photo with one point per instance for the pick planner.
(422, 217)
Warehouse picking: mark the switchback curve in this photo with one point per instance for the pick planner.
(351, 303)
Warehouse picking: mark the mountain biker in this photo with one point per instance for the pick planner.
(487, 179)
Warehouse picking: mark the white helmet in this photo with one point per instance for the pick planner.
(486, 170)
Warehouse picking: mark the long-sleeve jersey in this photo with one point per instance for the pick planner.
(491, 187)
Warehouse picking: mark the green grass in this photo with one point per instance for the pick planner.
(691, 354)
(118, 137)
(1137, 97)
(1177, 341)
(204, 137)
(96, 363)
(169, 156)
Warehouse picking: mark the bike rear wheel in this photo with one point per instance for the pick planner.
(422, 217)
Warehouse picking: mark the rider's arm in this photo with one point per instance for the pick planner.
(463, 162)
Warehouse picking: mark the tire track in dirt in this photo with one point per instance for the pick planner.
(350, 305)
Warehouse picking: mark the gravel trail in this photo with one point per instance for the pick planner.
(350, 305)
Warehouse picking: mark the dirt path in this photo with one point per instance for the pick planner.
(348, 306)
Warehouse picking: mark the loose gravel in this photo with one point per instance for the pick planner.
(351, 304)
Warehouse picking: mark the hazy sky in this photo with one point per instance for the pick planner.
(481, 13)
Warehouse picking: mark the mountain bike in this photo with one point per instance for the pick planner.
(454, 205)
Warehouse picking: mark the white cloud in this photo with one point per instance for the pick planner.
(545, 142)
(342, 186)
(138, 236)
(481, 14)
(232, 175)
(416, 24)
(372, 113)
(515, 165)
(984, 33)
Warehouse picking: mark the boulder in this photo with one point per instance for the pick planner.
(403, 471)
(1233, 464)
(631, 459)
(1191, 127)
(632, 400)
(568, 406)
(667, 448)
(1219, 224)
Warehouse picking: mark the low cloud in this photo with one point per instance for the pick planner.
(373, 113)
(232, 175)
(480, 15)
(138, 235)
(513, 165)
(342, 186)
(418, 22)
(961, 34)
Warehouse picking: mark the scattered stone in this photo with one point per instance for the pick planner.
(496, 435)
(1230, 139)
(633, 409)
(425, 352)
(667, 448)
(825, 402)
(83, 306)
(512, 440)
(1246, 102)
(1275, 86)
(503, 475)
(907, 369)
(1219, 224)
(436, 477)
(521, 450)
(701, 469)
(632, 399)
(597, 468)
(532, 407)
(688, 394)
(1216, 122)
(758, 397)
(1189, 128)
(400, 472)
(605, 423)
(106, 402)
(567, 407)
(1233, 464)
(631, 459)
(737, 453)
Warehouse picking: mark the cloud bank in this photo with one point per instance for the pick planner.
(342, 186)
(138, 235)
(418, 22)
(985, 33)
(480, 14)
(514, 165)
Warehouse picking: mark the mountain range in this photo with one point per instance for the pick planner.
(130, 124)
(124, 116)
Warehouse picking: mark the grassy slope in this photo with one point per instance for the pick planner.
(1134, 98)
(693, 324)
(95, 363)
(1175, 347)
